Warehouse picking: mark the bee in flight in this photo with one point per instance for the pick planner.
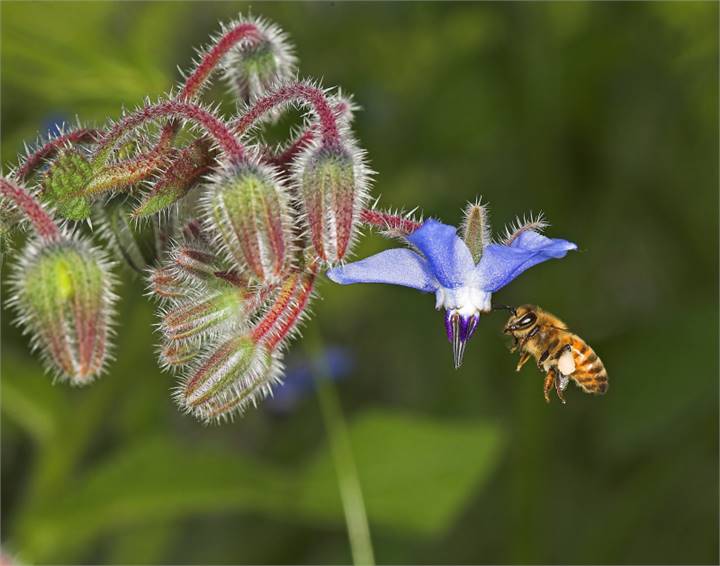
(561, 354)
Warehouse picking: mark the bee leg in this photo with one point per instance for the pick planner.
(524, 357)
(559, 387)
(549, 381)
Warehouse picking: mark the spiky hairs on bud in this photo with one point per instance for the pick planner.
(263, 59)
(332, 189)
(62, 291)
(228, 378)
(205, 316)
(248, 209)
(65, 183)
(475, 228)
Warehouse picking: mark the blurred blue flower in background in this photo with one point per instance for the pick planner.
(445, 266)
(53, 124)
(302, 375)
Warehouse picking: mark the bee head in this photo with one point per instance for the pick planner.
(522, 319)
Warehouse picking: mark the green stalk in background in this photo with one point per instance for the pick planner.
(349, 486)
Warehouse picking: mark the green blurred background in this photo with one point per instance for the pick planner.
(605, 116)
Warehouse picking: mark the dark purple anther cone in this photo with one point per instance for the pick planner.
(449, 325)
(459, 330)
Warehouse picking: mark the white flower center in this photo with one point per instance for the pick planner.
(467, 300)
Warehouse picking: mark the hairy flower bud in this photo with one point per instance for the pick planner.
(206, 315)
(65, 182)
(475, 229)
(236, 373)
(248, 210)
(257, 63)
(185, 170)
(175, 354)
(332, 190)
(63, 293)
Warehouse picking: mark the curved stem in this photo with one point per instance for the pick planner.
(34, 160)
(349, 486)
(388, 221)
(215, 127)
(41, 221)
(208, 64)
(210, 60)
(295, 92)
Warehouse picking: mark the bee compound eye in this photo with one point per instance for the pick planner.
(527, 320)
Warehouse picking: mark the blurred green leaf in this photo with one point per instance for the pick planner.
(416, 473)
(28, 399)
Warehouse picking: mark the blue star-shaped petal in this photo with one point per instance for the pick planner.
(441, 263)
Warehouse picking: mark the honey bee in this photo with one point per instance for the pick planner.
(561, 354)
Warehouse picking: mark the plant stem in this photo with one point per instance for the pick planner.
(351, 495)
(41, 221)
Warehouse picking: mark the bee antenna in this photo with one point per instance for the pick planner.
(505, 308)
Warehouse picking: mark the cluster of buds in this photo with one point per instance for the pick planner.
(230, 233)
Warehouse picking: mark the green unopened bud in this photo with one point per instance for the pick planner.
(258, 63)
(203, 317)
(183, 173)
(332, 183)
(65, 182)
(476, 229)
(236, 373)
(174, 355)
(248, 209)
(63, 293)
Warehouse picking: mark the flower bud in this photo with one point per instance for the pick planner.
(175, 354)
(179, 177)
(255, 65)
(476, 229)
(201, 317)
(248, 209)
(164, 283)
(66, 179)
(332, 189)
(228, 378)
(63, 292)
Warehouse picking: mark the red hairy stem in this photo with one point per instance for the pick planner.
(34, 160)
(42, 222)
(303, 140)
(388, 221)
(243, 31)
(292, 318)
(293, 150)
(294, 92)
(215, 127)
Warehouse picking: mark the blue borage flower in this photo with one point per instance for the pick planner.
(441, 263)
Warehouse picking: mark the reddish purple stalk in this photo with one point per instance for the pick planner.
(42, 222)
(229, 145)
(34, 160)
(211, 59)
(288, 93)
(387, 221)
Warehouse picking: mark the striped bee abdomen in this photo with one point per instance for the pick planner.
(590, 373)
